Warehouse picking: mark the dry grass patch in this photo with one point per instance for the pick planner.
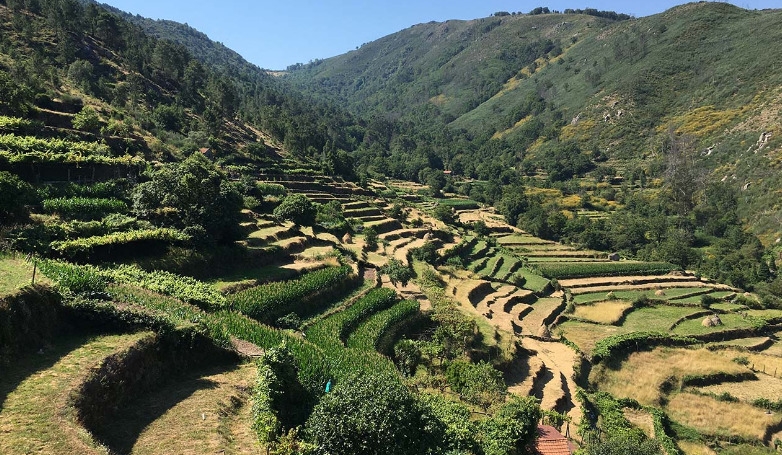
(607, 312)
(719, 418)
(769, 364)
(201, 413)
(695, 448)
(643, 374)
(586, 335)
(640, 419)
(765, 387)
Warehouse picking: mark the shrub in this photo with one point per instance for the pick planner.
(15, 195)
(87, 120)
(512, 428)
(369, 414)
(297, 208)
(370, 238)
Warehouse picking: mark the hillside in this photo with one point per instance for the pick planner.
(514, 88)
(186, 264)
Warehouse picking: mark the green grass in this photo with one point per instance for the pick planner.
(658, 318)
(729, 321)
(255, 275)
(591, 269)
(459, 204)
(670, 293)
(534, 282)
(696, 300)
(15, 273)
(35, 416)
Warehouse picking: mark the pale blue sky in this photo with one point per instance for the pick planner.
(276, 33)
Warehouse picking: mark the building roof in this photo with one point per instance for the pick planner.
(551, 442)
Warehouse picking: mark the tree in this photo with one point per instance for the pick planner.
(683, 177)
(15, 194)
(297, 208)
(369, 414)
(193, 194)
(87, 120)
(370, 238)
(397, 272)
(444, 213)
(477, 383)
(512, 428)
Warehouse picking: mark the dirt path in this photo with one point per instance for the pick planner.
(617, 280)
(206, 412)
(35, 415)
(648, 287)
(560, 360)
(409, 292)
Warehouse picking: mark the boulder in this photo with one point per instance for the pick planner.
(613, 257)
(347, 238)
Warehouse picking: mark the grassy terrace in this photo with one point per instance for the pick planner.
(35, 416)
(669, 294)
(16, 273)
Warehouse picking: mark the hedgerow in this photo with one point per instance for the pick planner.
(616, 344)
(561, 270)
(369, 334)
(270, 301)
(101, 245)
(84, 208)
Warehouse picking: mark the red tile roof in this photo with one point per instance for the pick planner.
(551, 442)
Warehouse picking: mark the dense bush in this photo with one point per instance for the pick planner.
(15, 195)
(369, 415)
(193, 193)
(297, 208)
(101, 246)
(511, 429)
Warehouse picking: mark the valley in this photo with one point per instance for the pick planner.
(197, 257)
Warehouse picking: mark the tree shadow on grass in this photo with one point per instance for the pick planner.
(122, 432)
(11, 376)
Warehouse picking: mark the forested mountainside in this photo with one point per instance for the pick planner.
(515, 90)
(187, 267)
(69, 54)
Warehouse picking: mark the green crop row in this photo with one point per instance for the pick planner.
(84, 247)
(271, 189)
(333, 331)
(84, 208)
(561, 270)
(68, 158)
(185, 288)
(225, 325)
(91, 279)
(15, 124)
(368, 335)
(29, 144)
(329, 334)
(119, 188)
(636, 341)
(270, 301)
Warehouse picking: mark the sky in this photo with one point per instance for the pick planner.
(276, 33)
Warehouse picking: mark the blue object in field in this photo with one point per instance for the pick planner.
(328, 386)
